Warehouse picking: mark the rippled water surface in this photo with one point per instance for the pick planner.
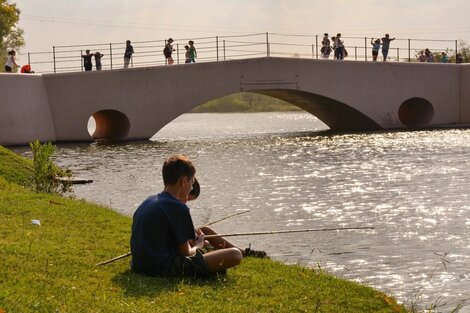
(413, 187)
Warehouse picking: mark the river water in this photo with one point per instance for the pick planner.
(413, 187)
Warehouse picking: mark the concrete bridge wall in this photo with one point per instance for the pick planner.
(24, 110)
(136, 103)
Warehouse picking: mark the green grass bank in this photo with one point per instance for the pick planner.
(51, 267)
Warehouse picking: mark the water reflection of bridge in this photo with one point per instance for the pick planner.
(135, 103)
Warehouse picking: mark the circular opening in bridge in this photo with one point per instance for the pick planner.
(108, 125)
(416, 112)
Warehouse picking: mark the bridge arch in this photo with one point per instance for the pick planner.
(336, 115)
(110, 125)
(416, 112)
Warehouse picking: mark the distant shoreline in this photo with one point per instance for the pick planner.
(245, 102)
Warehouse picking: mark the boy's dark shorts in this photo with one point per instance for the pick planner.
(194, 266)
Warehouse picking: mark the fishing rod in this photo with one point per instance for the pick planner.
(271, 232)
(226, 217)
(122, 256)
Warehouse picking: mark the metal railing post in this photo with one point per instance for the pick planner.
(316, 43)
(177, 53)
(53, 58)
(111, 55)
(365, 48)
(398, 54)
(81, 63)
(355, 53)
(217, 47)
(224, 48)
(409, 50)
(456, 47)
(29, 59)
(267, 44)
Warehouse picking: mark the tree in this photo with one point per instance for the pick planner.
(11, 36)
(464, 50)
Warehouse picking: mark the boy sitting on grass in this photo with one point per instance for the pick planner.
(164, 241)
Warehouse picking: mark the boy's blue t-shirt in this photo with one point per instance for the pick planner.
(160, 225)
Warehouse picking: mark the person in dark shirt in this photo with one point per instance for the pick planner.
(128, 53)
(164, 241)
(87, 60)
(168, 50)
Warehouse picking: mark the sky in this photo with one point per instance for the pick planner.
(50, 23)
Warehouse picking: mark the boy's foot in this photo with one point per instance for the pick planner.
(255, 253)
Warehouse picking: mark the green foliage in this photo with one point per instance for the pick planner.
(464, 50)
(47, 177)
(11, 37)
(245, 102)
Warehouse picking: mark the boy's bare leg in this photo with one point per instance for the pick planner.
(222, 259)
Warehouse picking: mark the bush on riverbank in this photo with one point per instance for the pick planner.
(51, 267)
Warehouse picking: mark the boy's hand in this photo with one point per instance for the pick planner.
(200, 239)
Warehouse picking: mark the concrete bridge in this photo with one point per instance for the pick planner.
(133, 104)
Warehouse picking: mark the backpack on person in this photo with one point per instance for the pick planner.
(167, 52)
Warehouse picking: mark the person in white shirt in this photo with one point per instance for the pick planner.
(10, 62)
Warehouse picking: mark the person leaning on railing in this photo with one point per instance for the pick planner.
(444, 58)
(87, 60)
(386, 45)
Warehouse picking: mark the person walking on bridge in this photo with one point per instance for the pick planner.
(326, 47)
(128, 54)
(339, 47)
(168, 50)
(192, 54)
(11, 63)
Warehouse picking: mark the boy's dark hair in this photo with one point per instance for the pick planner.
(175, 167)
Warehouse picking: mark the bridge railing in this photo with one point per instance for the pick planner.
(67, 58)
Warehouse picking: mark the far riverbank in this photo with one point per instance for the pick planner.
(245, 102)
